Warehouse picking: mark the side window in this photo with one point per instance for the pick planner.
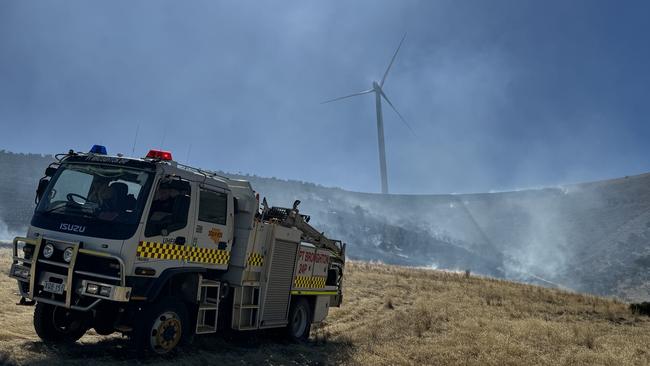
(169, 208)
(213, 207)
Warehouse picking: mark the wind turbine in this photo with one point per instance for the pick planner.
(379, 93)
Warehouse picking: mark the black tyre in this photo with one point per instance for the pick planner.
(103, 331)
(56, 324)
(299, 320)
(164, 327)
(104, 321)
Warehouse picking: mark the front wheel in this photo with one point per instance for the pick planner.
(165, 324)
(299, 321)
(57, 324)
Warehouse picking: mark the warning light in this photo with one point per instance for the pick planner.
(98, 149)
(159, 154)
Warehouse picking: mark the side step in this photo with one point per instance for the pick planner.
(246, 308)
(208, 298)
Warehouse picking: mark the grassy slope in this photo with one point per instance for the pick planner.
(391, 315)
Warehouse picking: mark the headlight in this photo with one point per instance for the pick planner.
(92, 288)
(48, 250)
(105, 291)
(67, 255)
(21, 272)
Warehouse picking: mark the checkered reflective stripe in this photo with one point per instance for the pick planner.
(205, 255)
(309, 282)
(148, 249)
(255, 259)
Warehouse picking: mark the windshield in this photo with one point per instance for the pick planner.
(97, 193)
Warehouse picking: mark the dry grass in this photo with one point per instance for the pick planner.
(392, 315)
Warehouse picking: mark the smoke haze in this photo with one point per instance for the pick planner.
(6, 235)
(502, 95)
(589, 237)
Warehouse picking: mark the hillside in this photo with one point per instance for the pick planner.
(20, 175)
(591, 237)
(390, 316)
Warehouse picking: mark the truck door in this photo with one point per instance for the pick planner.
(167, 231)
(212, 240)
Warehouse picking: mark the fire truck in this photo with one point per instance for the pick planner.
(161, 251)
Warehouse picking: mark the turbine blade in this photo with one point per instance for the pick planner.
(391, 61)
(348, 96)
(395, 109)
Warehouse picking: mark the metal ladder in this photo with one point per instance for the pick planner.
(208, 298)
(246, 307)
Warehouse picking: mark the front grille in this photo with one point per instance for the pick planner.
(86, 267)
(85, 264)
(103, 267)
(55, 262)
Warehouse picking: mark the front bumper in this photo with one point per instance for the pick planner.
(76, 283)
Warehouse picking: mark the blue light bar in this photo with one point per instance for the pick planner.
(98, 149)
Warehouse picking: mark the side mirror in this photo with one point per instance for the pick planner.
(42, 185)
(49, 172)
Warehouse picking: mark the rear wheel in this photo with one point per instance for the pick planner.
(299, 320)
(57, 324)
(164, 327)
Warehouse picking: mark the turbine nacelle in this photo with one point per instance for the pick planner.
(376, 86)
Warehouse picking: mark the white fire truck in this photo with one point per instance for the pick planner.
(161, 251)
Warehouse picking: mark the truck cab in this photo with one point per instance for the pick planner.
(161, 251)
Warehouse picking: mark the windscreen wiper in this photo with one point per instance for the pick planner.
(64, 204)
(56, 208)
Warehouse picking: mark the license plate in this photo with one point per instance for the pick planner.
(53, 287)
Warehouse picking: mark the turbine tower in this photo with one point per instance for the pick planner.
(379, 94)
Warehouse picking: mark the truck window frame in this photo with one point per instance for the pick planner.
(203, 204)
(175, 225)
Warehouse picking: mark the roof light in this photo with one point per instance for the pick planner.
(159, 154)
(98, 149)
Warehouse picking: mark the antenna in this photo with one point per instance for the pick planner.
(135, 139)
(162, 142)
(187, 158)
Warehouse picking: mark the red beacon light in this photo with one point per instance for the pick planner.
(160, 155)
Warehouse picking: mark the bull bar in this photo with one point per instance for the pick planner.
(119, 293)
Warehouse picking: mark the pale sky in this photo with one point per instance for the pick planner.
(501, 94)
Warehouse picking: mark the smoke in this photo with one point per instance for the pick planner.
(542, 248)
(6, 235)
(538, 235)
(491, 90)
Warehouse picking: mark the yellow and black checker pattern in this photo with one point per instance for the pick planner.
(309, 282)
(205, 255)
(255, 259)
(148, 249)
